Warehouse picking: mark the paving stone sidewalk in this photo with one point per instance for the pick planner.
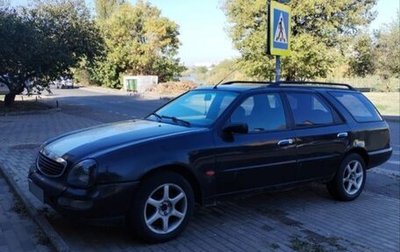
(18, 232)
(304, 219)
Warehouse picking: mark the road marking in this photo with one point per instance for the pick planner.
(396, 152)
(394, 162)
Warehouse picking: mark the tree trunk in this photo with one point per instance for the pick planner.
(9, 100)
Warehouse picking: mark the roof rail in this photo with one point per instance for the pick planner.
(312, 83)
(242, 82)
(281, 83)
(247, 82)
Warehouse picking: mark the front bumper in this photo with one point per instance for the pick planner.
(100, 201)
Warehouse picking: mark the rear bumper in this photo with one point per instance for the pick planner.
(378, 157)
(100, 201)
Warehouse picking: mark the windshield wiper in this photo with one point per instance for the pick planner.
(156, 115)
(176, 120)
(173, 118)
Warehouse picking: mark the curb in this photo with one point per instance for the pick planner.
(146, 95)
(391, 118)
(104, 90)
(55, 239)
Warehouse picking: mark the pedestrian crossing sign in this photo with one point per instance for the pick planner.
(279, 29)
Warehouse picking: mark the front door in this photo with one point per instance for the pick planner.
(265, 156)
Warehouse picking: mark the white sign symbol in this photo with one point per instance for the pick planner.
(280, 32)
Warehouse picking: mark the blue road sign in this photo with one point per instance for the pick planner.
(279, 32)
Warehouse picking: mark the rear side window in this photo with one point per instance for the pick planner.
(309, 110)
(358, 105)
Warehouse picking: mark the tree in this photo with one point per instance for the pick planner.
(17, 37)
(196, 74)
(104, 8)
(388, 49)
(139, 42)
(310, 58)
(319, 28)
(362, 58)
(224, 71)
(40, 44)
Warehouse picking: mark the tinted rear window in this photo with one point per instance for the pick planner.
(309, 110)
(358, 105)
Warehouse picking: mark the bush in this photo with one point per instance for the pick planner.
(173, 87)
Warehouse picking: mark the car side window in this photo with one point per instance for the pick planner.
(358, 105)
(263, 112)
(309, 110)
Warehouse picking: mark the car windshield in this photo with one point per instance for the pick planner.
(198, 108)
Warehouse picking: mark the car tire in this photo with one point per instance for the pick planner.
(349, 180)
(162, 207)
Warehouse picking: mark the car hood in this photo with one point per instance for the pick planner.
(88, 142)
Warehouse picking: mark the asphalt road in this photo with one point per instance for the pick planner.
(104, 107)
(115, 106)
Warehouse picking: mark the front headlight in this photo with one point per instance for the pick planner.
(83, 174)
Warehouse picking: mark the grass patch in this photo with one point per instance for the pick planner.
(274, 246)
(388, 103)
(304, 246)
(40, 237)
(375, 82)
(19, 207)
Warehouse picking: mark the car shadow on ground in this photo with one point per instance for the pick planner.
(256, 221)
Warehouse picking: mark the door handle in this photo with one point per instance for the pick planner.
(285, 142)
(342, 135)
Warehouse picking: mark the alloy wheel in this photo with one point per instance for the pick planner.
(353, 177)
(165, 208)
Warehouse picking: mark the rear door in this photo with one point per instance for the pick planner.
(321, 135)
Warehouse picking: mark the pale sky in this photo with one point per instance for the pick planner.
(203, 27)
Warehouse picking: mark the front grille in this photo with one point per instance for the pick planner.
(50, 167)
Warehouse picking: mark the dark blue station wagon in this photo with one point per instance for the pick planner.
(235, 137)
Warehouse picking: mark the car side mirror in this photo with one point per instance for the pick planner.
(240, 128)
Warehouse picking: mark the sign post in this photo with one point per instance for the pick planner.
(278, 33)
(277, 68)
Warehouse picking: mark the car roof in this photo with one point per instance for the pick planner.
(244, 86)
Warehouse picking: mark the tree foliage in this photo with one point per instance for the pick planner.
(104, 8)
(363, 56)
(17, 37)
(388, 49)
(42, 43)
(139, 42)
(226, 70)
(378, 54)
(320, 29)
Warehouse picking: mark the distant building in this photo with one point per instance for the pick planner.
(139, 83)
